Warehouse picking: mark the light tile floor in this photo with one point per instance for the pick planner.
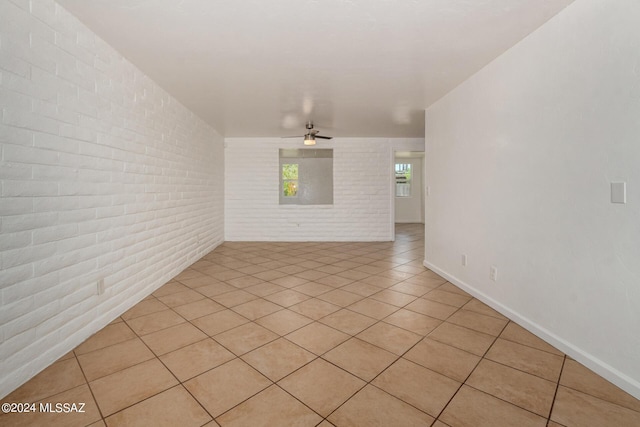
(343, 334)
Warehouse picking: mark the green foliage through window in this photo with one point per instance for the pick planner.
(290, 179)
(290, 171)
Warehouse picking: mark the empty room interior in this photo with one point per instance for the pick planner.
(320, 213)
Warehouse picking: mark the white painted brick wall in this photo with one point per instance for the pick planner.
(362, 203)
(102, 175)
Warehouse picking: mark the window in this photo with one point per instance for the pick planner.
(403, 179)
(290, 179)
(306, 176)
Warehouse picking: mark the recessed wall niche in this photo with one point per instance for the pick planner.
(306, 176)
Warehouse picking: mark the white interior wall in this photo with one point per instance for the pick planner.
(362, 201)
(102, 176)
(520, 159)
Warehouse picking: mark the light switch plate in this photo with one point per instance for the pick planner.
(618, 192)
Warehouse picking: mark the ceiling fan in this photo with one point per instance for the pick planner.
(311, 135)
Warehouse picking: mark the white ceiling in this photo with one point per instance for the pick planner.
(355, 67)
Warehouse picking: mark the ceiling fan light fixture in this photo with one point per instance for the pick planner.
(309, 140)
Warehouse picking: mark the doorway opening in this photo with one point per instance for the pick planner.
(408, 187)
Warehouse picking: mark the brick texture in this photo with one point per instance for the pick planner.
(103, 175)
(362, 203)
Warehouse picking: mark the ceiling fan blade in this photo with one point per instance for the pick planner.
(323, 137)
(295, 136)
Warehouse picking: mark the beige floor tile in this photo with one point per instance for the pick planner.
(181, 298)
(215, 289)
(291, 269)
(198, 309)
(170, 408)
(312, 275)
(573, 408)
(362, 289)
(222, 388)
(395, 298)
(216, 323)
(340, 297)
(444, 359)
(360, 358)
(314, 308)
(425, 389)
(432, 308)
(147, 306)
(410, 289)
(129, 386)
(244, 281)
(478, 322)
(381, 281)
(450, 287)
(289, 281)
(114, 358)
(389, 337)
(478, 306)
(352, 274)
(233, 298)
(348, 321)
(373, 407)
(313, 289)
(409, 269)
(169, 288)
(198, 282)
(412, 321)
(69, 354)
(334, 281)
(439, 423)
(322, 386)
(245, 338)
(462, 338)
(173, 338)
(450, 298)
(429, 282)
(527, 391)
(372, 308)
(527, 359)
(576, 376)
(372, 270)
(154, 322)
(317, 338)
(227, 275)
(331, 269)
(109, 335)
(57, 378)
(270, 275)
(259, 411)
(264, 289)
(284, 321)
(278, 358)
(287, 297)
(516, 333)
(253, 269)
(77, 395)
(255, 309)
(197, 358)
(473, 408)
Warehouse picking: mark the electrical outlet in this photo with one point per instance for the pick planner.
(463, 260)
(428, 190)
(493, 273)
(100, 287)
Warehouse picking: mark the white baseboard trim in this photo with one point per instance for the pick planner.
(603, 369)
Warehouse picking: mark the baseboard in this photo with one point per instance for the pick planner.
(603, 369)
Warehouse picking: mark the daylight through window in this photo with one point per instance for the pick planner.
(290, 179)
(403, 179)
